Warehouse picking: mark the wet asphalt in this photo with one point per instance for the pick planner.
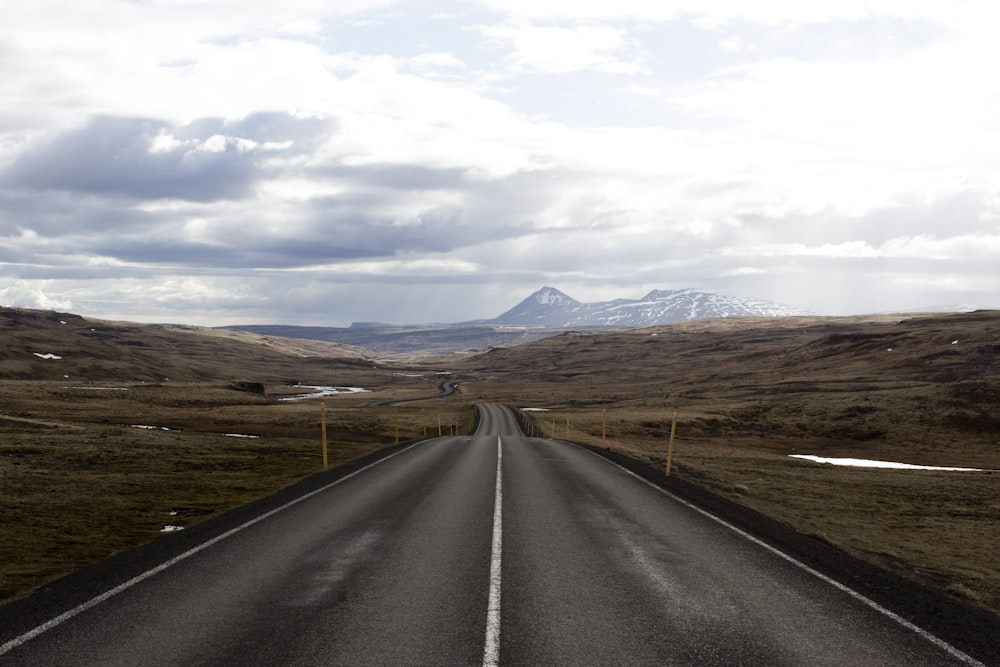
(391, 566)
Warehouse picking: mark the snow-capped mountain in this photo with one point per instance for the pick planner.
(542, 307)
(550, 307)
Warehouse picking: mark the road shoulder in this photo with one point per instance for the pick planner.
(971, 629)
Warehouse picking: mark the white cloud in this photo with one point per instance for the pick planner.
(966, 248)
(431, 61)
(719, 13)
(265, 158)
(560, 50)
(848, 249)
(32, 294)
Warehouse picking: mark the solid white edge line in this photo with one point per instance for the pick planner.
(65, 616)
(491, 650)
(937, 641)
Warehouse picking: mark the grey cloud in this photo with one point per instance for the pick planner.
(263, 126)
(384, 211)
(340, 231)
(963, 213)
(113, 157)
(397, 176)
(57, 214)
(337, 232)
(274, 126)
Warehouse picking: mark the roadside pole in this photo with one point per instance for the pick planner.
(604, 427)
(326, 463)
(395, 421)
(670, 447)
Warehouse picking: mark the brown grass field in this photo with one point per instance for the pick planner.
(81, 480)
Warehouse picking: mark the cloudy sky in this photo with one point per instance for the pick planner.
(323, 162)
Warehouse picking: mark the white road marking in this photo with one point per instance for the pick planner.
(491, 651)
(93, 602)
(940, 643)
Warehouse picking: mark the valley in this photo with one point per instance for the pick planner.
(82, 480)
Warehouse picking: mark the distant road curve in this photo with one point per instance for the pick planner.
(492, 549)
(447, 388)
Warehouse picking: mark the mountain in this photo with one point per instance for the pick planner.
(547, 312)
(547, 305)
(550, 307)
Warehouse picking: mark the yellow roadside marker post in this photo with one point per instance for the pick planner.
(326, 464)
(395, 421)
(670, 447)
(439, 425)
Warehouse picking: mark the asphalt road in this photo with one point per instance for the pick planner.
(489, 549)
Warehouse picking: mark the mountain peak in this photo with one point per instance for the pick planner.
(545, 307)
(550, 307)
(550, 296)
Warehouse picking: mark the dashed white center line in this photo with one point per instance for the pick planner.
(491, 651)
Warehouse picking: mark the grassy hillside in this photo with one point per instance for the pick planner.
(748, 393)
(45, 345)
(118, 430)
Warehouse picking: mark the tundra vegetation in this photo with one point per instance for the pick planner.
(135, 428)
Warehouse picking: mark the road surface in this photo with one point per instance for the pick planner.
(487, 549)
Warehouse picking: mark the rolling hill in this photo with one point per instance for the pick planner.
(46, 345)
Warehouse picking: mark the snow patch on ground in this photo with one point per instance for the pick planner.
(100, 388)
(240, 435)
(46, 356)
(866, 463)
(321, 390)
(152, 428)
(170, 528)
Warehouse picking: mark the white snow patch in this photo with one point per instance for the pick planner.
(170, 528)
(46, 356)
(954, 342)
(240, 435)
(322, 391)
(534, 409)
(152, 428)
(866, 463)
(100, 388)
